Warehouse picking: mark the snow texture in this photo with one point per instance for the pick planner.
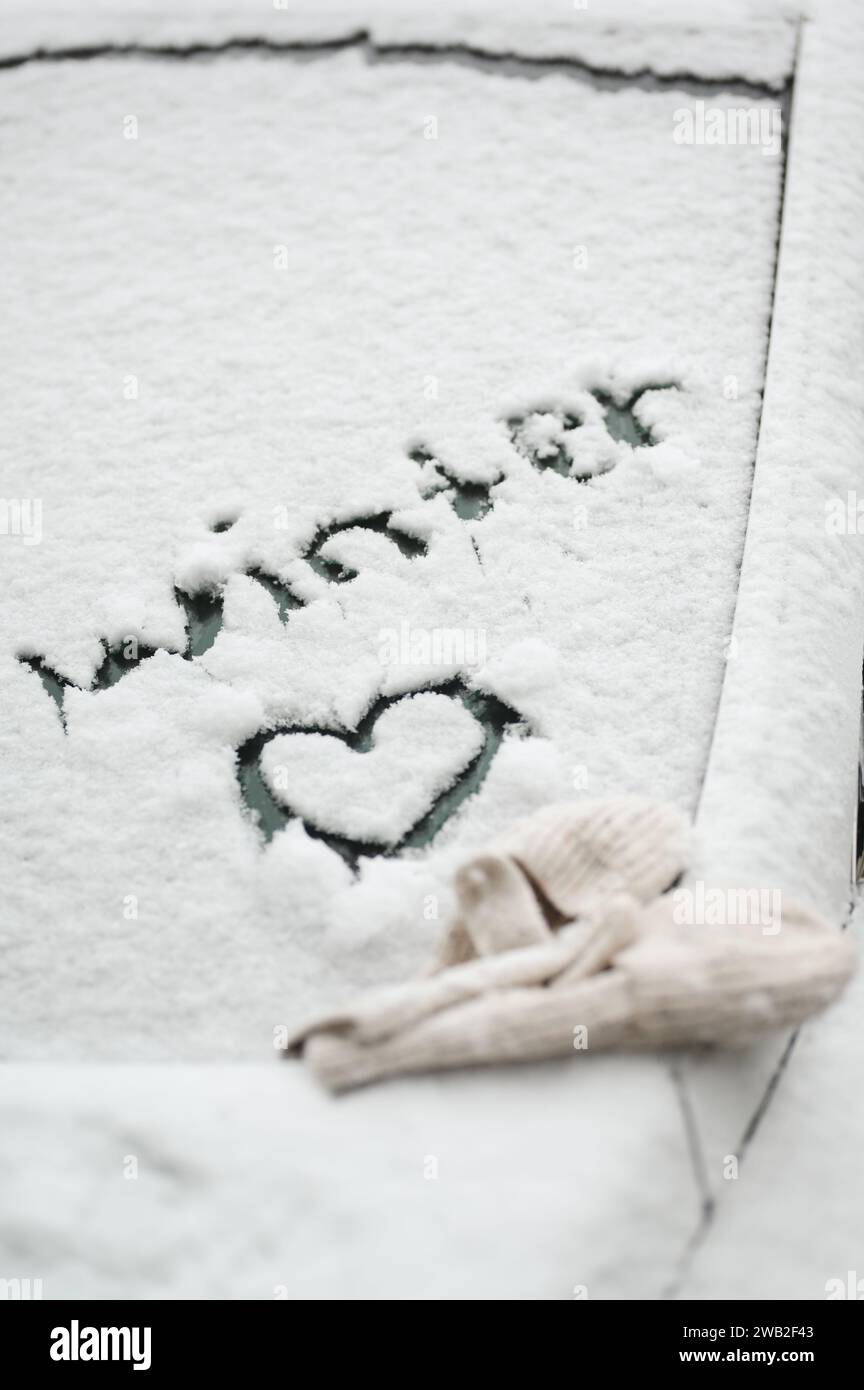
(795, 1204)
(745, 42)
(365, 796)
(250, 317)
(253, 1184)
(282, 307)
(780, 791)
(786, 747)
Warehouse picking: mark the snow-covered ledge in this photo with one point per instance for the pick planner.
(778, 805)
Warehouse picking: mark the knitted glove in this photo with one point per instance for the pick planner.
(517, 981)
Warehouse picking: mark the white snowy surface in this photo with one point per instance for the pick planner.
(287, 387)
(606, 606)
(251, 1184)
(754, 42)
(793, 1218)
(785, 753)
(366, 796)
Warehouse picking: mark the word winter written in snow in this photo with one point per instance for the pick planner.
(75, 1343)
(437, 646)
(734, 125)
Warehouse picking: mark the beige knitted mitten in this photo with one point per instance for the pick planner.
(569, 857)
(518, 980)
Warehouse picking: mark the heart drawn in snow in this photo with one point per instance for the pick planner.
(418, 748)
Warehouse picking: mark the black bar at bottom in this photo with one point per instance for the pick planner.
(158, 1339)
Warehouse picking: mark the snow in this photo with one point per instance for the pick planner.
(795, 1204)
(253, 1184)
(284, 277)
(365, 795)
(786, 748)
(781, 783)
(750, 41)
(254, 313)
